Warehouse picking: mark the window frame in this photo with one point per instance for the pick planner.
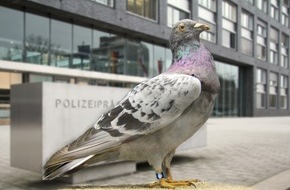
(247, 27)
(144, 10)
(110, 3)
(172, 13)
(261, 39)
(261, 86)
(284, 93)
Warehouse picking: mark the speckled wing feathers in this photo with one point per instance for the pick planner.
(150, 106)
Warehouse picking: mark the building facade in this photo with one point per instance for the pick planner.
(122, 42)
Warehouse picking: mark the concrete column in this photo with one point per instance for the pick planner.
(162, 12)
(238, 32)
(219, 22)
(194, 10)
(254, 45)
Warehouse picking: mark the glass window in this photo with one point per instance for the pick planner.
(247, 46)
(101, 51)
(174, 15)
(61, 43)
(159, 60)
(153, 59)
(273, 84)
(229, 25)
(283, 92)
(209, 35)
(274, 11)
(207, 15)
(37, 39)
(262, 5)
(116, 54)
(11, 35)
(209, 4)
(82, 45)
(109, 54)
(274, 36)
(39, 78)
(229, 11)
(247, 33)
(120, 55)
(145, 8)
(261, 40)
(229, 39)
(109, 3)
(247, 20)
(168, 58)
(226, 104)
(137, 56)
(284, 50)
(145, 58)
(261, 77)
(285, 15)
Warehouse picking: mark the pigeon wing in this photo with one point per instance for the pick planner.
(153, 104)
(148, 107)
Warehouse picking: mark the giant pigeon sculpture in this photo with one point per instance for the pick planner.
(155, 117)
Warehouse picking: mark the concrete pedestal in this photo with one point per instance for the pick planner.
(47, 116)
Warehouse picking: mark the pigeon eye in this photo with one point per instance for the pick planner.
(181, 28)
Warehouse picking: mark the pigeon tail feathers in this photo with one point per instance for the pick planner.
(54, 171)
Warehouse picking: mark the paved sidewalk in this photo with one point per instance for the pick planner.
(240, 151)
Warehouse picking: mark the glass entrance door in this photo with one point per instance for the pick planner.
(227, 101)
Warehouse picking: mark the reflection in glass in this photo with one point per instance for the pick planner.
(247, 33)
(82, 44)
(283, 92)
(145, 8)
(227, 100)
(61, 43)
(229, 21)
(158, 60)
(137, 57)
(37, 39)
(150, 57)
(274, 36)
(168, 58)
(274, 9)
(273, 87)
(261, 39)
(118, 55)
(284, 50)
(285, 13)
(11, 36)
(262, 5)
(100, 52)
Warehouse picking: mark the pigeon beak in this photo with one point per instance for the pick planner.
(201, 26)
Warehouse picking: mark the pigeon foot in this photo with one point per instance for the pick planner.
(171, 184)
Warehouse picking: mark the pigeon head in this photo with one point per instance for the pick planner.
(185, 32)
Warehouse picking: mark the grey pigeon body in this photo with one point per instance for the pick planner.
(155, 117)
